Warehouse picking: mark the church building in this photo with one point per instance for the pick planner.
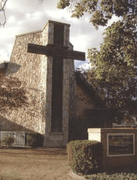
(44, 63)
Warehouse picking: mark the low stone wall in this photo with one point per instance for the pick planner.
(19, 137)
(119, 146)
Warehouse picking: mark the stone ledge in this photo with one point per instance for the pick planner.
(28, 33)
(56, 133)
(56, 136)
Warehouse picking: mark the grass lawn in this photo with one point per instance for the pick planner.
(48, 164)
(34, 164)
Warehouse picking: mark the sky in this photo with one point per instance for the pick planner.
(31, 15)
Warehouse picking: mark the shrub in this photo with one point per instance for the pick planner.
(34, 139)
(85, 157)
(8, 141)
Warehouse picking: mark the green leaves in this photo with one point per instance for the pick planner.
(63, 4)
(115, 64)
(98, 19)
(100, 10)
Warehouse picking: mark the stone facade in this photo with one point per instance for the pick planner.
(35, 73)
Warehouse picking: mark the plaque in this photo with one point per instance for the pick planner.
(120, 144)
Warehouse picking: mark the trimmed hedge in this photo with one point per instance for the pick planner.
(85, 157)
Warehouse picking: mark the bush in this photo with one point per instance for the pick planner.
(34, 139)
(8, 141)
(85, 157)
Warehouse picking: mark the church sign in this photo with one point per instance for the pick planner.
(120, 144)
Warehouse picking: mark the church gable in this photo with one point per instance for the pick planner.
(86, 98)
(36, 72)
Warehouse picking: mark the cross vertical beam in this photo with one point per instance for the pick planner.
(57, 82)
(59, 50)
(57, 91)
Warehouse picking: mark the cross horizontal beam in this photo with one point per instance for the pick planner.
(55, 51)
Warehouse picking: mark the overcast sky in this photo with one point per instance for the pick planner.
(30, 15)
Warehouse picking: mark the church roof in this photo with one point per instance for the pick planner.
(88, 89)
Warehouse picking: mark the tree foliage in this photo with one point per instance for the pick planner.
(114, 75)
(100, 10)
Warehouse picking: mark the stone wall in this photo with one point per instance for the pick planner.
(35, 73)
(31, 74)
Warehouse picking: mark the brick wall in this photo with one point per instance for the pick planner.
(114, 161)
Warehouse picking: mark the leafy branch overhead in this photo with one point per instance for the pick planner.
(100, 10)
(115, 64)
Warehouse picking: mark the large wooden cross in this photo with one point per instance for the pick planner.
(58, 52)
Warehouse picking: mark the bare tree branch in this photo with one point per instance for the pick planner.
(2, 9)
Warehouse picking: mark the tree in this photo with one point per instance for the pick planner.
(114, 75)
(115, 69)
